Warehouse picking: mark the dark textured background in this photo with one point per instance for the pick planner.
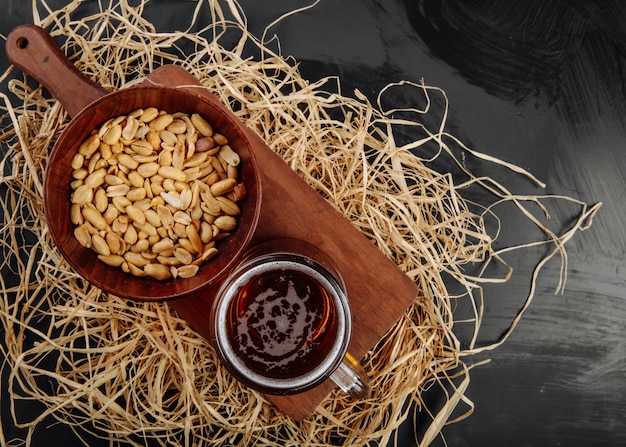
(537, 83)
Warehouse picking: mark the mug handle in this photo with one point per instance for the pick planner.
(352, 378)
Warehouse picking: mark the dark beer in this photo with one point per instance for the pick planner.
(282, 321)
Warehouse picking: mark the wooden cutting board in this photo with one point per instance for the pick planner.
(379, 292)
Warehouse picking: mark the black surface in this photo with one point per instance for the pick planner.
(537, 83)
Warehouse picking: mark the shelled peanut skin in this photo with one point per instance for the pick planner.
(153, 192)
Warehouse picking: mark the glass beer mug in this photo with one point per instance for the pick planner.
(281, 321)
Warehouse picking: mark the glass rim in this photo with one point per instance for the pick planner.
(227, 351)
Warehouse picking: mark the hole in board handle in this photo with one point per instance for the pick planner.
(22, 43)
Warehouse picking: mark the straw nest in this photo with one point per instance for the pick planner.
(137, 373)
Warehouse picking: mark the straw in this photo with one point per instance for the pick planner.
(135, 373)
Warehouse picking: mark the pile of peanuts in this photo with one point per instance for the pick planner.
(154, 191)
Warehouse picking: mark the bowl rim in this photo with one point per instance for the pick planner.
(125, 285)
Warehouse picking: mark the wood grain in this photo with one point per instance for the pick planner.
(57, 192)
(33, 50)
(379, 292)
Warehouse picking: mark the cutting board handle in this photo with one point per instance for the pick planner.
(33, 50)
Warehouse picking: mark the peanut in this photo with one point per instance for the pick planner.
(100, 245)
(205, 144)
(90, 146)
(112, 135)
(147, 170)
(226, 223)
(230, 156)
(223, 186)
(173, 173)
(158, 271)
(152, 192)
(81, 233)
(149, 114)
(83, 195)
(201, 125)
(112, 260)
(131, 128)
(161, 122)
(93, 216)
(187, 271)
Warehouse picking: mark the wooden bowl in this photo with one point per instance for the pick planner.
(32, 49)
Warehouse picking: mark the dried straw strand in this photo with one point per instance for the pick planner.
(133, 373)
